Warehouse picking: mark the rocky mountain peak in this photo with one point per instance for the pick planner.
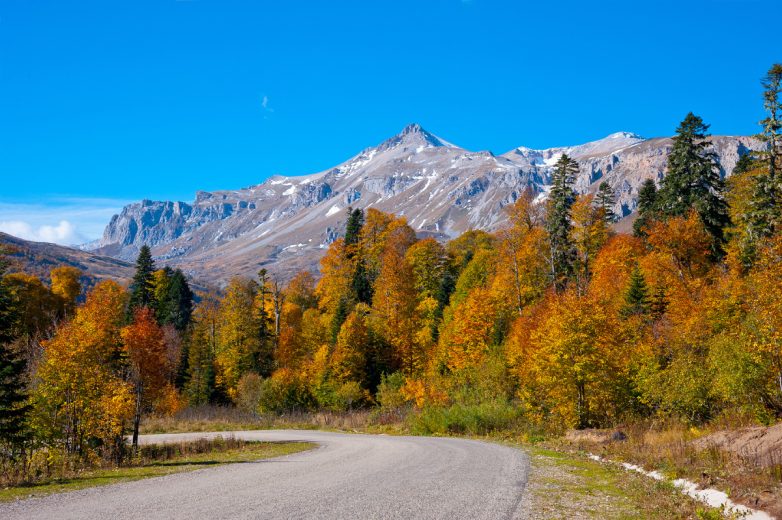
(414, 136)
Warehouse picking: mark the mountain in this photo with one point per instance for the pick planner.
(39, 258)
(285, 223)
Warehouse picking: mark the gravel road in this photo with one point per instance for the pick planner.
(347, 476)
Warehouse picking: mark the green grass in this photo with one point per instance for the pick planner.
(104, 476)
(564, 485)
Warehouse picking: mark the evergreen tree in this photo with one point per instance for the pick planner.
(142, 290)
(745, 163)
(353, 227)
(637, 300)
(558, 224)
(264, 363)
(693, 182)
(175, 306)
(13, 395)
(605, 199)
(647, 201)
(766, 205)
(360, 285)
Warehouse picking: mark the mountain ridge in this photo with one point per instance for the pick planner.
(285, 223)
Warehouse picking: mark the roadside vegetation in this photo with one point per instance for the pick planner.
(151, 461)
(554, 323)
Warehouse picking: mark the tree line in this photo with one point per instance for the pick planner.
(556, 317)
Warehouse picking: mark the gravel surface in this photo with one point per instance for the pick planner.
(348, 476)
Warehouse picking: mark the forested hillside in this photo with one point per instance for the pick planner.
(554, 321)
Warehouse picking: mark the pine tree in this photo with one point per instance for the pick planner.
(142, 288)
(13, 396)
(558, 225)
(360, 285)
(175, 305)
(353, 226)
(605, 199)
(693, 182)
(766, 205)
(647, 201)
(637, 300)
(745, 163)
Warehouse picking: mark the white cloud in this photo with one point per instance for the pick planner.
(67, 221)
(265, 106)
(63, 233)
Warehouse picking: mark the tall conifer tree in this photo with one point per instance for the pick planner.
(647, 201)
(13, 396)
(605, 199)
(766, 204)
(558, 224)
(142, 291)
(693, 181)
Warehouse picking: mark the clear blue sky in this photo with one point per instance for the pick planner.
(106, 101)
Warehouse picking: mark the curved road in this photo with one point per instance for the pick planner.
(347, 476)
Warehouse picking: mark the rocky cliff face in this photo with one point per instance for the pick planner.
(285, 223)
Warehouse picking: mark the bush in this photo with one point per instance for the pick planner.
(389, 391)
(476, 419)
(285, 392)
(248, 392)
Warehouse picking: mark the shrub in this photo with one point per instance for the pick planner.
(475, 419)
(248, 392)
(285, 392)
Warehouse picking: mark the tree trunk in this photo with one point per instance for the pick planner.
(137, 418)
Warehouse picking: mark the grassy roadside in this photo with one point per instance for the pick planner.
(569, 486)
(163, 463)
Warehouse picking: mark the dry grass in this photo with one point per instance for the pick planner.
(218, 418)
(669, 448)
(154, 461)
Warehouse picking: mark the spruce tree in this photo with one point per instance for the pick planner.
(647, 201)
(693, 182)
(13, 384)
(142, 288)
(745, 163)
(605, 199)
(766, 205)
(353, 226)
(176, 305)
(558, 225)
(637, 300)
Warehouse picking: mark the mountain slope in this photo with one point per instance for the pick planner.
(39, 258)
(285, 223)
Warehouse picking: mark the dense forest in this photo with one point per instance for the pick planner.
(555, 319)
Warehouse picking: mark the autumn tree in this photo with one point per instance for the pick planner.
(82, 399)
(589, 232)
(66, 285)
(558, 225)
(146, 353)
(522, 246)
(200, 383)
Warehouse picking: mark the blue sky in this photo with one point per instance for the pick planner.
(107, 101)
